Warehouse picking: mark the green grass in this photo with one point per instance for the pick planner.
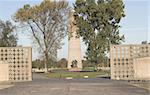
(88, 68)
(75, 74)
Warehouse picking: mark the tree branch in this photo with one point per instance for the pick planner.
(34, 35)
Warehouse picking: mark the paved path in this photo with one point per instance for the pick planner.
(3, 86)
(99, 86)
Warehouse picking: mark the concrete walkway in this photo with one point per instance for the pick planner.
(98, 86)
(5, 86)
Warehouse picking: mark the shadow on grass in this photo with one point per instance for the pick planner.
(105, 77)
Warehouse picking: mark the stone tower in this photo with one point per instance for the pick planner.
(74, 50)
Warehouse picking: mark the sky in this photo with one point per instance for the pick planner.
(135, 26)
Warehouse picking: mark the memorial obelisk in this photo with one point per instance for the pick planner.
(74, 50)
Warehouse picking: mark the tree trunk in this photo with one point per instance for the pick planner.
(46, 62)
(45, 67)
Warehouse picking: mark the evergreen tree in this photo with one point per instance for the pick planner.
(98, 25)
(7, 36)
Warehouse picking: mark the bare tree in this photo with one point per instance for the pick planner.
(48, 24)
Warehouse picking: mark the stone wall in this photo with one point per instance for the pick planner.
(19, 60)
(122, 59)
(142, 68)
(4, 74)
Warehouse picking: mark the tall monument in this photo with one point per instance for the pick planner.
(74, 50)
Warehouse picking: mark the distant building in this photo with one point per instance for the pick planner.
(130, 62)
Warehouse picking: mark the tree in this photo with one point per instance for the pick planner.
(7, 36)
(48, 24)
(98, 25)
(37, 64)
(62, 63)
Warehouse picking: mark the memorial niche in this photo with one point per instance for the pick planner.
(74, 64)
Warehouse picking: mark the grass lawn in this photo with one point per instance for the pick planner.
(75, 74)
